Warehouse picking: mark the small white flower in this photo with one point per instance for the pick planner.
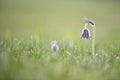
(96, 55)
(68, 44)
(54, 46)
(118, 57)
(107, 63)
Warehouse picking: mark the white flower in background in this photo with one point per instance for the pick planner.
(68, 44)
(118, 57)
(96, 55)
(54, 46)
(107, 63)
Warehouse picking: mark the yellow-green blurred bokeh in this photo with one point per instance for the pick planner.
(58, 19)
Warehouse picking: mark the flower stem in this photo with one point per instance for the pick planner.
(93, 41)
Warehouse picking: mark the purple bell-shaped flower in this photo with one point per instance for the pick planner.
(85, 33)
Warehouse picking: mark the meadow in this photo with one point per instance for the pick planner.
(27, 28)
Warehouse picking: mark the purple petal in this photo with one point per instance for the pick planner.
(86, 34)
(54, 48)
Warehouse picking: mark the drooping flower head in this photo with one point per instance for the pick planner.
(54, 46)
(85, 33)
(88, 21)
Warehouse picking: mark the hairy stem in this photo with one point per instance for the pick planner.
(93, 40)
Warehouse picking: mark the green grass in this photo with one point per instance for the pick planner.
(30, 60)
(27, 27)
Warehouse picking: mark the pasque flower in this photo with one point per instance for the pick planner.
(54, 46)
(85, 33)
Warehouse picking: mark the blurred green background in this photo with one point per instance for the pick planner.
(58, 19)
(24, 22)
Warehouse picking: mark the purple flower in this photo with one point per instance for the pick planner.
(85, 33)
(54, 46)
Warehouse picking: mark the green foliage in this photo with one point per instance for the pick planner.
(29, 59)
